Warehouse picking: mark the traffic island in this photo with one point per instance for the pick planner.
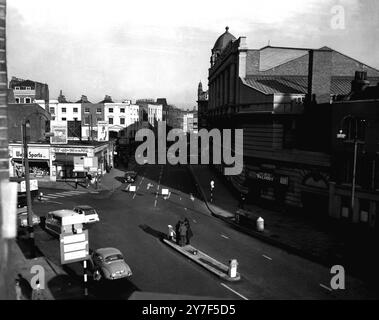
(207, 262)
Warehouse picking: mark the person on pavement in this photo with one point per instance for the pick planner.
(189, 231)
(177, 227)
(183, 234)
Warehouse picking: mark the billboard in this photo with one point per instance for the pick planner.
(59, 130)
(102, 131)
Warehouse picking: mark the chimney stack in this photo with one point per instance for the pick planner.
(360, 82)
(320, 75)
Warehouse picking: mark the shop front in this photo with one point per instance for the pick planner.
(267, 186)
(64, 157)
(38, 157)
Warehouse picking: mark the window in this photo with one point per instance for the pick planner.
(86, 110)
(122, 120)
(28, 100)
(122, 110)
(17, 88)
(364, 211)
(98, 110)
(64, 110)
(64, 119)
(110, 110)
(110, 120)
(17, 100)
(28, 88)
(52, 110)
(75, 110)
(86, 120)
(99, 119)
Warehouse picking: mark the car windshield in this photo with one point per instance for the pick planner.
(89, 211)
(113, 257)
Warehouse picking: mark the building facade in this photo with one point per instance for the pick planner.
(28, 91)
(267, 93)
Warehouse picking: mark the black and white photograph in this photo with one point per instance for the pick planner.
(189, 155)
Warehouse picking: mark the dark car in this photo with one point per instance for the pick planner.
(130, 176)
(110, 264)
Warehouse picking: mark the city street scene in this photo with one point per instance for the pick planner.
(199, 150)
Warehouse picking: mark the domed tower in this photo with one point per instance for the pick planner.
(199, 90)
(221, 43)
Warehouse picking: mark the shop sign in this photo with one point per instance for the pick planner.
(33, 153)
(265, 176)
(72, 150)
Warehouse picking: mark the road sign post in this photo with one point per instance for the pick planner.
(212, 187)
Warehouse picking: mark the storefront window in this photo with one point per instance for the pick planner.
(364, 209)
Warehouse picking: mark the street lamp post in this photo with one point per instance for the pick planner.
(25, 138)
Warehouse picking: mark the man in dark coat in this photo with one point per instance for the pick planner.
(183, 234)
(189, 231)
(177, 227)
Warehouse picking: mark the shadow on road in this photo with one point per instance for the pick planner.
(155, 233)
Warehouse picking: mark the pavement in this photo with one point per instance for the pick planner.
(216, 267)
(55, 284)
(327, 242)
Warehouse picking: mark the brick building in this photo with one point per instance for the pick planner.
(28, 91)
(269, 92)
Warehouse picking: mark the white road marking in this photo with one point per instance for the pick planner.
(267, 257)
(180, 198)
(134, 195)
(54, 201)
(224, 236)
(155, 203)
(325, 287)
(235, 292)
(194, 220)
(49, 197)
(185, 208)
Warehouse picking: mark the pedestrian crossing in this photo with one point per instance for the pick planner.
(66, 194)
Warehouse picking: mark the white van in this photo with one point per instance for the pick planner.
(53, 222)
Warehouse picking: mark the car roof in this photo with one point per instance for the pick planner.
(107, 251)
(130, 172)
(63, 213)
(84, 206)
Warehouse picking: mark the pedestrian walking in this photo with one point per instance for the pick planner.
(183, 234)
(189, 234)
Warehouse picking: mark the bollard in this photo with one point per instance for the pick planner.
(40, 196)
(232, 272)
(260, 224)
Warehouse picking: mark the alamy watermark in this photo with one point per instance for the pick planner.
(222, 147)
(338, 17)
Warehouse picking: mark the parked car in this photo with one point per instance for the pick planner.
(90, 213)
(22, 218)
(54, 222)
(130, 176)
(110, 264)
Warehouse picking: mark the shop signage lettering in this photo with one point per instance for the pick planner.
(32, 153)
(265, 176)
(72, 150)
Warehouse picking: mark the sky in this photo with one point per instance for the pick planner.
(154, 49)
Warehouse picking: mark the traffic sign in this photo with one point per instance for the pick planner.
(74, 247)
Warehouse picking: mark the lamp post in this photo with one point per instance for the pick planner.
(25, 139)
(355, 125)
